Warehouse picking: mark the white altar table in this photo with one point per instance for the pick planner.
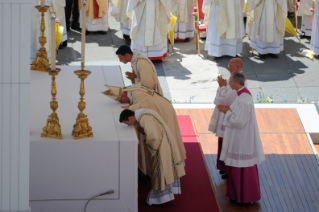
(65, 174)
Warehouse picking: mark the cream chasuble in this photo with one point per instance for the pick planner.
(226, 15)
(145, 72)
(304, 7)
(103, 4)
(166, 164)
(119, 12)
(150, 21)
(183, 10)
(142, 97)
(275, 15)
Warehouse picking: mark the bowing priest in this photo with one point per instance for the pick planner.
(96, 16)
(141, 97)
(242, 148)
(225, 27)
(305, 13)
(184, 27)
(314, 43)
(150, 26)
(267, 26)
(166, 166)
(225, 96)
(119, 13)
(143, 69)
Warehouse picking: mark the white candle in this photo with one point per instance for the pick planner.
(53, 42)
(42, 3)
(83, 33)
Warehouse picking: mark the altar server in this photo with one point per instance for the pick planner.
(150, 26)
(225, 96)
(119, 13)
(242, 148)
(143, 69)
(224, 19)
(314, 44)
(166, 165)
(304, 11)
(184, 27)
(267, 26)
(96, 16)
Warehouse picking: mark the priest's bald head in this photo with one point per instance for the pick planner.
(124, 54)
(128, 117)
(235, 64)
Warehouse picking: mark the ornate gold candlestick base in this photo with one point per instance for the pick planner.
(82, 129)
(53, 129)
(41, 62)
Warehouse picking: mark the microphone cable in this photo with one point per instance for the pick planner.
(108, 192)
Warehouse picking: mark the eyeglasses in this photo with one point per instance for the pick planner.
(231, 66)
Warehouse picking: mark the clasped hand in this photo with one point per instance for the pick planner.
(140, 129)
(221, 82)
(223, 108)
(130, 75)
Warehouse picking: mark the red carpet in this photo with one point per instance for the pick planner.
(197, 193)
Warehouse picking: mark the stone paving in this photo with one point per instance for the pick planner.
(187, 77)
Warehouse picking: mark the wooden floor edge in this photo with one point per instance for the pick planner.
(207, 169)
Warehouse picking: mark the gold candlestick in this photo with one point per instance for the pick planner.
(53, 129)
(82, 129)
(41, 62)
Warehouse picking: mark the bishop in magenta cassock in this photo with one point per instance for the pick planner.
(242, 148)
(226, 96)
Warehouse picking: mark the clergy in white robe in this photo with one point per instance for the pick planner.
(150, 26)
(314, 43)
(304, 11)
(225, 27)
(96, 15)
(242, 148)
(184, 27)
(119, 13)
(143, 69)
(267, 26)
(166, 165)
(225, 96)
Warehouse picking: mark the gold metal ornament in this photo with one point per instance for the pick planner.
(53, 129)
(82, 129)
(41, 62)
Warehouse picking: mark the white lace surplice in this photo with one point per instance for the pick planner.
(242, 145)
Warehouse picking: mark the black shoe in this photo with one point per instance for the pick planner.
(273, 55)
(204, 38)
(65, 43)
(61, 46)
(87, 32)
(233, 200)
(262, 56)
(75, 26)
(101, 32)
(186, 40)
(224, 176)
(127, 39)
(221, 172)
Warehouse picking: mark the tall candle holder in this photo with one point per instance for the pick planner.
(53, 129)
(41, 62)
(82, 129)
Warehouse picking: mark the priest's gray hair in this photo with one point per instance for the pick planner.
(238, 77)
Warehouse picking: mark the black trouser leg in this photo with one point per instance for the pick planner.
(68, 9)
(75, 13)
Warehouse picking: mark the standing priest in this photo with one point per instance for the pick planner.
(267, 26)
(96, 16)
(242, 148)
(224, 19)
(184, 28)
(119, 13)
(304, 11)
(314, 44)
(150, 26)
(143, 69)
(166, 165)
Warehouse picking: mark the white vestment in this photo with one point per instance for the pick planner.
(183, 10)
(96, 24)
(119, 13)
(267, 25)
(229, 41)
(242, 145)
(225, 96)
(150, 26)
(314, 44)
(304, 11)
